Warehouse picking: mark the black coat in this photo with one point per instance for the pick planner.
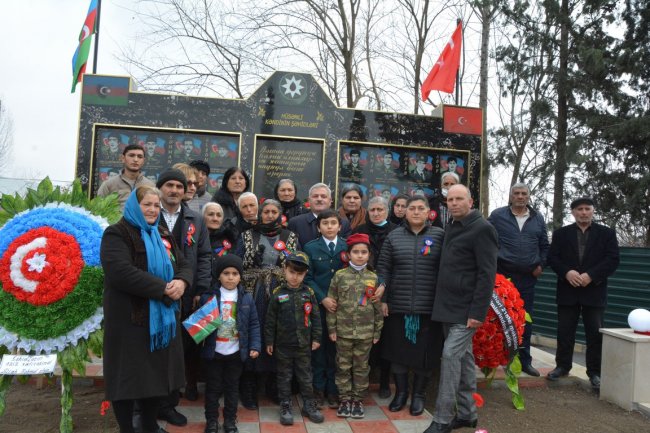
(292, 208)
(409, 276)
(600, 260)
(131, 370)
(468, 269)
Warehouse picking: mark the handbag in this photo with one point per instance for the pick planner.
(204, 321)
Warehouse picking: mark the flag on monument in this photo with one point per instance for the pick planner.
(80, 57)
(443, 74)
(462, 120)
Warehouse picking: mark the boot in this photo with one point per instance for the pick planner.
(310, 410)
(401, 392)
(211, 426)
(384, 381)
(286, 415)
(248, 390)
(230, 426)
(419, 394)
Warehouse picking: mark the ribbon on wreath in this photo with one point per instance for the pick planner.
(367, 294)
(168, 247)
(307, 307)
(426, 249)
(282, 247)
(189, 238)
(508, 326)
(223, 249)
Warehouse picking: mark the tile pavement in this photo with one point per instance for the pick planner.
(378, 419)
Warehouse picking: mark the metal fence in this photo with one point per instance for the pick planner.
(628, 288)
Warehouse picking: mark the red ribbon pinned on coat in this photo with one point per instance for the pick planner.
(190, 231)
(168, 247)
(369, 293)
(307, 307)
(223, 249)
(282, 247)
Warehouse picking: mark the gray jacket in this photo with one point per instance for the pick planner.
(409, 274)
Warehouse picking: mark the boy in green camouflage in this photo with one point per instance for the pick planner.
(355, 326)
(292, 332)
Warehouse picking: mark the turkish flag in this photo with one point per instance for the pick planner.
(443, 75)
(462, 120)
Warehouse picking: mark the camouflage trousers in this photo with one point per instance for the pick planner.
(352, 369)
(292, 361)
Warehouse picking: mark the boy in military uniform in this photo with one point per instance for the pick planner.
(293, 330)
(355, 326)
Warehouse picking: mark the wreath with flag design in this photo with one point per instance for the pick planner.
(51, 280)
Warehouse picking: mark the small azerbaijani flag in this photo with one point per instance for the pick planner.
(80, 57)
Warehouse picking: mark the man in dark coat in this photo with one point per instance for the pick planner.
(583, 255)
(465, 284)
(523, 246)
(305, 225)
(190, 232)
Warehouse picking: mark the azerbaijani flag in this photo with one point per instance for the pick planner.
(81, 55)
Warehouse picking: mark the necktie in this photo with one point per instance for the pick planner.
(331, 246)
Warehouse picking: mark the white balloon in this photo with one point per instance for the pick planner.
(639, 320)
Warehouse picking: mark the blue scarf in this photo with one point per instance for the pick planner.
(162, 319)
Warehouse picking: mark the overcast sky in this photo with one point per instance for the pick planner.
(39, 38)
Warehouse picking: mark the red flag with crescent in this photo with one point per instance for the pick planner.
(462, 120)
(443, 74)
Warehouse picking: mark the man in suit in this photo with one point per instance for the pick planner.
(305, 225)
(583, 255)
(191, 234)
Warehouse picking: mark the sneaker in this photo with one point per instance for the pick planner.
(357, 409)
(286, 415)
(211, 426)
(230, 426)
(344, 409)
(310, 410)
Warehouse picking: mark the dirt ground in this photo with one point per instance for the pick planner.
(557, 409)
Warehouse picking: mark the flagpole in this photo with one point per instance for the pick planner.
(458, 20)
(99, 9)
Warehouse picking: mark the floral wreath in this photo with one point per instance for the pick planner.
(490, 342)
(51, 280)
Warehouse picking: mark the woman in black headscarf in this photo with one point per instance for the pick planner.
(398, 209)
(286, 192)
(235, 182)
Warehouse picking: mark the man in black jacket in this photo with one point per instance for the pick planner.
(582, 255)
(465, 284)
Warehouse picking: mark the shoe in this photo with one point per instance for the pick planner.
(418, 399)
(286, 415)
(401, 392)
(530, 370)
(344, 409)
(319, 396)
(211, 426)
(230, 426)
(357, 410)
(173, 417)
(137, 421)
(438, 428)
(332, 401)
(384, 393)
(460, 423)
(310, 410)
(191, 393)
(557, 373)
(594, 379)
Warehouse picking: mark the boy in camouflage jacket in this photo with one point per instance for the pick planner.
(355, 326)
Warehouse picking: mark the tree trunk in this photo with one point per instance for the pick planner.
(486, 17)
(562, 114)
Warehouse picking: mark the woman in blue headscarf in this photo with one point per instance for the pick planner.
(145, 276)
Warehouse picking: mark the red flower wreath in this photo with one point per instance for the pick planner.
(490, 350)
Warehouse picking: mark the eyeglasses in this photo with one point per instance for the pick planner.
(190, 183)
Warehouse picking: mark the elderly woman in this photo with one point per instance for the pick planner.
(377, 228)
(398, 209)
(286, 193)
(408, 268)
(351, 208)
(263, 249)
(192, 176)
(222, 239)
(145, 276)
(235, 182)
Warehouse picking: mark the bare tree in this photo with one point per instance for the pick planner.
(6, 138)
